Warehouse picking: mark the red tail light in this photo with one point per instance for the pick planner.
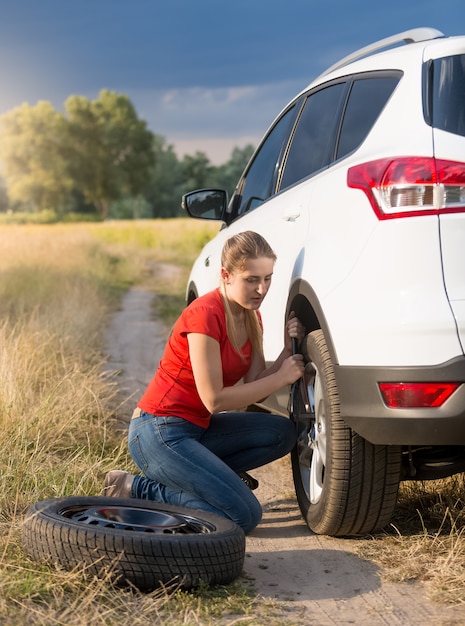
(410, 186)
(416, 395)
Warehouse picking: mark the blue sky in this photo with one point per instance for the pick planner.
(207, 75)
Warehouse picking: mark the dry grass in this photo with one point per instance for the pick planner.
(426, 539)
(58, 284)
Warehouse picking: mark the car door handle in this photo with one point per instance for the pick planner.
(291, 217)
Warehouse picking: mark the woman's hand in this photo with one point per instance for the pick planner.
(294, 330)
(291, 369)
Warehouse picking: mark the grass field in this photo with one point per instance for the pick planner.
(58, 285)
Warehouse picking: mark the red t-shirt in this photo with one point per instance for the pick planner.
(172, 390)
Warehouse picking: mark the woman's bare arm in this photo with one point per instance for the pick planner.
(206, 363)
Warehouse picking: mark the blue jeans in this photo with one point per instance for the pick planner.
(197, 467)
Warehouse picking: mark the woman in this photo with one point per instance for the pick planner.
(188, 436)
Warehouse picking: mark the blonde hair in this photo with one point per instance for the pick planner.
(237, 250)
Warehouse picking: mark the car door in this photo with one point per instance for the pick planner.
(283, 219)
(252, 206)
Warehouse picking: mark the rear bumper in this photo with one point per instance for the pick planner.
(363, 409)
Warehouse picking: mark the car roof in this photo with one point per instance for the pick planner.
(385, 54)
(407, 37)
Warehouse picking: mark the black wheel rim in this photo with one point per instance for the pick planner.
(137, 519)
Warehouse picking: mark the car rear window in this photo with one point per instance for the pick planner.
(313, 141)
(449, 94)
(358, 101)
(367, 99)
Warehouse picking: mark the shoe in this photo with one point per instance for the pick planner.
(118, 484)
(250, 481)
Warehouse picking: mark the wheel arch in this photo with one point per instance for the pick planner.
(304, 302)
(191, 293)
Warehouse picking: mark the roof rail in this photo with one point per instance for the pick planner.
(408, 36)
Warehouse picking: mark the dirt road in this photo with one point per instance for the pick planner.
(309, 579)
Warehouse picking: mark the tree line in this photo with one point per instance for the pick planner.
(99, 158)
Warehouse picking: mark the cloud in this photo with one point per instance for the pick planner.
(215, 117)
(222, 96)
(198, 76)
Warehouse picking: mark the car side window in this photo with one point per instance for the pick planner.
(258, 183)
(313, 143)
(366, 101)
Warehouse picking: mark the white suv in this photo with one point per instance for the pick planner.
(359, 187)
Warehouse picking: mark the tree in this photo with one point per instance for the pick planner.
(32, 149)
(98, 154)
(197, 171)
(110, 149)
(227, 175)
(163, 191)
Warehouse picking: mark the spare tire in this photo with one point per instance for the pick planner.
(136, 542)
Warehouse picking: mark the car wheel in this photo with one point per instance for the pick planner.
(135, 542)
(344, 484)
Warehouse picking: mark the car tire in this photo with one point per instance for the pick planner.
(135, 542)
(344, 484)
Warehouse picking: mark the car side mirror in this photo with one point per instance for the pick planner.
(206, 204)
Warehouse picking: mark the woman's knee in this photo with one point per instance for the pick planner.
(287, 433)
(292, 434)
(250, 518)
(240, 505)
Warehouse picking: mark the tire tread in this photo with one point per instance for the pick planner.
(145, 560)
(361, 480)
